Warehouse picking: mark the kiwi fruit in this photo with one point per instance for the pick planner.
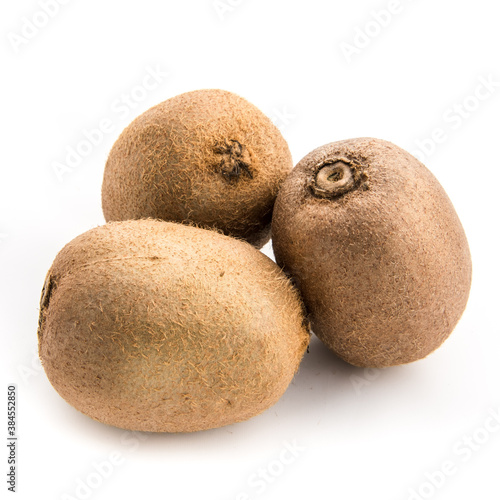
(207, 157)
(156, 326)
(376, 249)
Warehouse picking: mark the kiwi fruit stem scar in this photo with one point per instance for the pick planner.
(334, 178)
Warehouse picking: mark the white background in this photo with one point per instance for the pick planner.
(360, 434)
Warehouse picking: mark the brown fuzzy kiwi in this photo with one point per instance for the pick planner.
(208, 157)
(156, 326)
(377, 250)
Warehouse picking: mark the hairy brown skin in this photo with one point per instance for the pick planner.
(377, 250)
(156, 326)
(208, 157)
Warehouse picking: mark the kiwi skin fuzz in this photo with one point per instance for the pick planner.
(207, 157)
(155, 326)
(376, 249)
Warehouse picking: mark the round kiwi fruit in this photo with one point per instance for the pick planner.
(207, 157)
(156, 326)
(376, 249)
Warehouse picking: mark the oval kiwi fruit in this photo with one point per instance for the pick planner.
(208, 157)
(377, 250)
(156, 326)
